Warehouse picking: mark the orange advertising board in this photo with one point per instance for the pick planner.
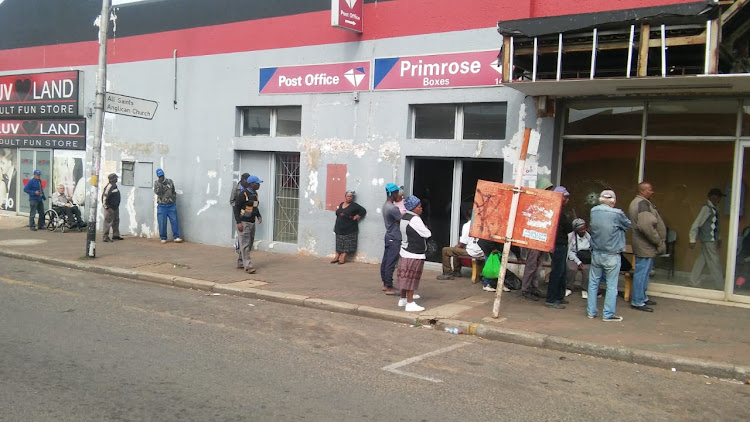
(536, 218)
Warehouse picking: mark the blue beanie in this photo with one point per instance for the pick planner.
(411, 202)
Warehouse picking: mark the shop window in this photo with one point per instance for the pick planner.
(682, 173)
(286, 224)
(601, 118)
(271, 121)
(459, 121)
(590, 166)
(692, 118)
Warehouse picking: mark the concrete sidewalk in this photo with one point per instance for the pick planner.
(696, 337)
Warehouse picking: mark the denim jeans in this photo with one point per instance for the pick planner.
(164, 212)
(36, 206)
(604, 267)
(557, 274)
(388, 264)
(643, 268)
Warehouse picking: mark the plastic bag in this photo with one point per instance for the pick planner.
(492, 266)
(511, 280)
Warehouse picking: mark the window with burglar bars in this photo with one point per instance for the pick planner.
(286, 224)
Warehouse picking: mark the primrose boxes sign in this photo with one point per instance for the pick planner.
(456, 70)
(130, 106)
(55, 134)
(40, 95)
(347, 14)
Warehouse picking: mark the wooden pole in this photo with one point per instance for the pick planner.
(511, 222)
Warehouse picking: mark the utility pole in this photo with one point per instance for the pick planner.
(101, 91)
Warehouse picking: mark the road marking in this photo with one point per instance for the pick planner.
(394, 366)
(37, 286)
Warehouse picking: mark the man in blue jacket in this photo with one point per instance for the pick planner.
(36, 199)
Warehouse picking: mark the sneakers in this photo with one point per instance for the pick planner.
(613, 318)
(584, 294)
(445, 277)
(554, 305)
(529, 296)
(413, 307)
(164, 241)
(505, 289)
(568, 292)
(106, 239)
(177, 240)
(402, 302)
(456, 274)
(590, 316)
(416, 296)
(488, 288)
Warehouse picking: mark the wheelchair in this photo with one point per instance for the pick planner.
(57, 220)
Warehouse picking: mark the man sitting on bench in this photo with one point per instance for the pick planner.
(467, 246)
(63, 205)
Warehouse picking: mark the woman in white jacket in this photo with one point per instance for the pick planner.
(412, 253)
(579, 256)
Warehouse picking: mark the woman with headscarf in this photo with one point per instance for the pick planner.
(346, 228)
(579, 256)
(412, 254)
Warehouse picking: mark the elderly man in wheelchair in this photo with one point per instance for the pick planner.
(66, 211)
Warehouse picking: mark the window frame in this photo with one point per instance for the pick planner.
(459, 125)
(273, 122)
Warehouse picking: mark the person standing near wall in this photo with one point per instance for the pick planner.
(556, 290)
(245, 212)
(166, 207)
(391, 218)
(111, 203)
(530, 281)
(649, 241)
(607, 228)
(346, 227)
(706, 229)
(412, 250)
(36, 200)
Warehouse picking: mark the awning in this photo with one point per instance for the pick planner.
(729, 84)
(681, 13)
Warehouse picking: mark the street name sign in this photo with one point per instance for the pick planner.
(130, 106)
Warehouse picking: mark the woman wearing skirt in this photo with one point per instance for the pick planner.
(412, 254)
(348, 215)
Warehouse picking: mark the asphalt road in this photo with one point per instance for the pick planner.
(76, 346)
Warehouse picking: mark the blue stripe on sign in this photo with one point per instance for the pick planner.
(266, 74)
(382, 68)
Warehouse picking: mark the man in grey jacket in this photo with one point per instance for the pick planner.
(649, 240)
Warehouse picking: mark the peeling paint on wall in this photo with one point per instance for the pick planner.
(129, 150)
(331, 147)
(480, 147)
(390, 152)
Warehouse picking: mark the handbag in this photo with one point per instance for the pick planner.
(584, 255)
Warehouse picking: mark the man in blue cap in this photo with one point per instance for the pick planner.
(245, 212)
(166, 207)
(36, 199)
(391, 218)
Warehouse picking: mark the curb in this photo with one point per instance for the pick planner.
(524, 338)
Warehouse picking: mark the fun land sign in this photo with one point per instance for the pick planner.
(54, 134)
(347, 14)
(40, 95)
(455, 70)
(334, 77)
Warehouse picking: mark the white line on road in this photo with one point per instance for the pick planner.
(394, 366)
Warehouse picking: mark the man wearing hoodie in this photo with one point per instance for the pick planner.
(649, 241)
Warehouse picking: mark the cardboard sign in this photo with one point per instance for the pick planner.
(347, 14)
(56, 134)
(40, 95)
(536, 219)
(475, 68)
(334, 77)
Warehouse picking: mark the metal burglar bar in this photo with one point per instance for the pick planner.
(286, 224)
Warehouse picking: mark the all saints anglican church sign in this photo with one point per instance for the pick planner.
(347, 14)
